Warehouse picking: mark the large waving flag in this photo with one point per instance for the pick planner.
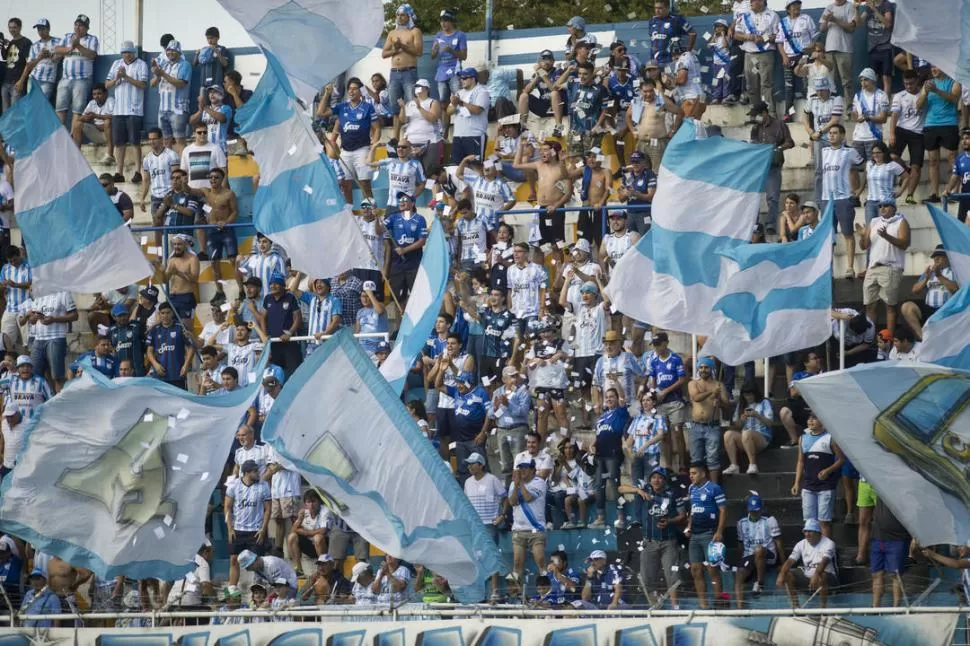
(906, 428)
(75, 237)
(130, 465)
(298, 202)
(314, 40)
(946, 340)
(778, 298)
(367, 454)
(708, 195)
(422, 309)
(941, 36)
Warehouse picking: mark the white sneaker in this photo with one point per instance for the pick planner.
(756, 589)
(731, 470)
(752, 469)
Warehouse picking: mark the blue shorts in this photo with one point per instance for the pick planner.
(183, 304)
(73, 95)
(819, 505)
(173, 125)
(697, 548)
(844, 216)
(888, 556)
(221, 244)
(705, 444)
(849, 471)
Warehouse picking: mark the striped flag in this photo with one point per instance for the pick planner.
(298, 202)
(945, 338)
(940, 36)
(422, 308)
(75, 237)
(706, 205)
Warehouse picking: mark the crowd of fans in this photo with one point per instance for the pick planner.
(532, 385)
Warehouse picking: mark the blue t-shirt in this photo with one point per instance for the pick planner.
(819, 455)
(662, 30)
(622, 92)
(496, 326)
(448, 63)
(961, 168)
(107, 365)
(585, 105)
(469, 412)
(558, 593)
(128, 344)
(404, 232)
(939, 111)
(355, 123)
(602, 584)
(610, 428)
(665, 372)
(169, 345)
(641, 183)
(705, 501)
(371, 322)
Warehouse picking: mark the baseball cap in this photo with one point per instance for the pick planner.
(281, 581)
(475, 458)
(597, 554)
(84, 20)
(509, 371)
(589, 287)
(812, 525)
(466, 377)
(810, 205)
(722, 22)
(325, 558)
(964, 132)
(526, 464)
(254, 281)
(37, 572)
(257, 585)
(367, 202)
(468, 72)
(612, 335)
(755, 503)
(42, 22)
(119, 310)
(216, 88)
(706, 361)
(636, 156)
(791, 2)
(619, 214)
(886, 335)
(128, 46)
(938, 251)
(658, 338)
(868, 74)
(249, 466)
(246, 559)
(24, 360)
(582, 245)
(661, 471)
(151, 293)
(358, 569)
(577, 22)
(422, 83)
(383, 346)
(277, 278)
(174, 46)
(758, 108)
(547, 53)
(447, 14)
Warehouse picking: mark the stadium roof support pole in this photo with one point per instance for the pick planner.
(140, 23)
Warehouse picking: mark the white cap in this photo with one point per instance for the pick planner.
(582, 245)
(597, 554)
(359, 568)
(370, 286)
(325, 558)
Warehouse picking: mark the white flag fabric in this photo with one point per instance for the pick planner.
(115, 476)
(938, 32)
(314, 40)
(76, 240)
(777, 299)
(946, 340)
(341, 424)
(708, 195)
(906, 428)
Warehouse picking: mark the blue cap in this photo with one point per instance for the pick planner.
(119, 310)
(404, 195)
(812, 525)
(246, 558)
(128, 47)
(589, 287)
(468, 72)
(706, 361)
(383, 346)
(38, 573)
(755, 504)
(660, 471)
(466, 377)
(277, 278)
(577, 22)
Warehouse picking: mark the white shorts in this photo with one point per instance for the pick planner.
(355, 161)
(10, 328)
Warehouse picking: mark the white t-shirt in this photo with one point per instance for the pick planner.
(188, 591)
(520, 523)
(105, 109)
(286, 482)
(912, 356)
(868, 104)
(811, 555)
(525, 283)
(836, 38)
(223, 336)
(543, 460)
(909, 116)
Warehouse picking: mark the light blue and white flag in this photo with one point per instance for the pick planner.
(946, 334)
(708, 195)
(906, 428)
(75, 237)
(941, 36)
(314, 40)
(422, 309)
(298, 202)
(381, 474)
(778, 298)
(129, 466)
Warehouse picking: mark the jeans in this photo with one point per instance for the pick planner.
(705, 444)
(556, 508)
(73, 95)
(772, 196)
(9, 94)
(400, 85)
(447, 88)
(47, 87)
(606, 469)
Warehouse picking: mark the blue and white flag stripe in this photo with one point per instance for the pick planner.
(346, 32)
(422, 309)
(941, 36)
(75, 237)
(384, 478)
(298, 202)
(131, 463)
(778, 298)
(706, 204)
(955, 237)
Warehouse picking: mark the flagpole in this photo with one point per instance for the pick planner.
(841, 344)
(693, 350)
(767, 367)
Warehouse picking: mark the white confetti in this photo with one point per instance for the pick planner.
(167, 520)
(206, 208)
(183, 458)
(149, 417)
(159, 533)
(204, 477)
(510, 27)
(704, 9)
(707, 35)
(451, 447)
(292, 150)
(632, 15)
(308, 189)
(183, 414)
(102, 330)
(144, 240)
(224, 307)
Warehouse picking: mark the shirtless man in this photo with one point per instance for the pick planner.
(220, 209)
(596, 182)
(555, 189)
(646, 120)
(707, 395)
(404, 46)
(65, 579)
(182, 273)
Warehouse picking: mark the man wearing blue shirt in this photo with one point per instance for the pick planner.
(666, 374)
(409, 233)
(563, 580)
(468, 421)
(604, 584)
(40, 600)
(281, 317)
(450, 47)
(214, 115)
(126, 338)
(586, 102)
(101, 359)
(708, 513)
(170, 351)
(664, 27)
(359, 126)
(960, 177)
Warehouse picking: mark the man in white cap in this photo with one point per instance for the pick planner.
(580, 270)
(822, 111)
(362, 575)
(604, 584)
(486, 493)
(870, 110)
(511, 403)
(13, 434)
(267, 569)
(196, 586)
(817, 573)
(128, 77)
(527, 495)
